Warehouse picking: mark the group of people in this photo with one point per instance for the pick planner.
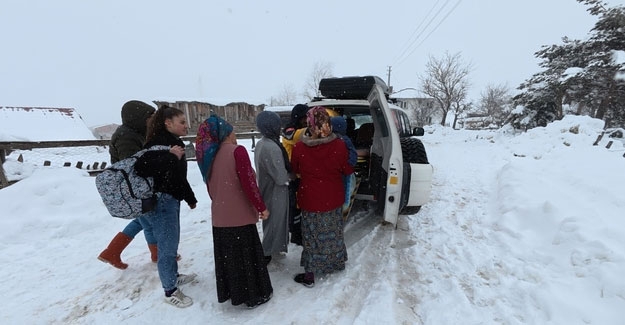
(297, 189)
(144, 127)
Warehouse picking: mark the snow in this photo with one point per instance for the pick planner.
(619, 58)
(279, 108)
(53, 124)
(520, 229)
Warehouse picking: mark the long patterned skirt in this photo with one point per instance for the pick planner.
(240, 268)
(324, 244)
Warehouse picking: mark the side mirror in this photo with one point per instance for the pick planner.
(418, 131)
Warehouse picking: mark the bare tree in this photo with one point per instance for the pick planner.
(421, 110)
(321, 69)
(459, 104)
(495, 102)
(445, 80)
(286, 97)
(460, 107)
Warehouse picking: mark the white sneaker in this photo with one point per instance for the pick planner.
(185, 278)
(179, 299)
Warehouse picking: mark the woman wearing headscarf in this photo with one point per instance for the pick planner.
(320, 158)
(240, 269)
(273, 167)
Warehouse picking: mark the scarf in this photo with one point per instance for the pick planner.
(210, 134)
(268, 124)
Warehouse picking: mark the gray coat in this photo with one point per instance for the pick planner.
(273, 181)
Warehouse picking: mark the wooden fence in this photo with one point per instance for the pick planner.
(8, 147)
(608, 145)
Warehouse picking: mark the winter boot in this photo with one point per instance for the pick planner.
(307, 279)
(154, 253)
(112, 253)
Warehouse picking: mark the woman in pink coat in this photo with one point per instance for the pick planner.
(236, 207)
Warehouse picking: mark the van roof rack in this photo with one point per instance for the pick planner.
(351, 87)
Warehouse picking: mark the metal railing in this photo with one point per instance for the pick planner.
(6, 147)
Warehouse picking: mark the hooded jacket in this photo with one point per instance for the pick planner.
(293, 131)
(130, 136)
(339, 126)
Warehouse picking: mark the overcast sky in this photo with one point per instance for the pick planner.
(95, 56)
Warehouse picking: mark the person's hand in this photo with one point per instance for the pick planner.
(264, 215)
(192, 206)
(178, 151)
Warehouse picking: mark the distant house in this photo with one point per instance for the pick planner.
(241, 115)
(36, 124)
(422, 110)
(42, 124)
(104, 132)
(477, 121)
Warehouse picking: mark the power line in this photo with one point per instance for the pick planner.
(430, 33)
(409, 43)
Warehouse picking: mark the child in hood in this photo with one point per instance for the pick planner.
(339, 126)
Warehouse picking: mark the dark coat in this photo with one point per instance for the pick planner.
(169, 172)
(130, 136)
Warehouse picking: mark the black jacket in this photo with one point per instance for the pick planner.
(169, 172)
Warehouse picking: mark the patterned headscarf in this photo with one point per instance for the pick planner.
(316, 116)
(210, 134)
(318, 121)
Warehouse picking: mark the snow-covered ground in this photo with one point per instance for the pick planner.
(520, 229)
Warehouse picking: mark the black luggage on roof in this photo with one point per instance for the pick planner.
(350, 87)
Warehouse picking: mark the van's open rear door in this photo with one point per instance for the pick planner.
(386, 143)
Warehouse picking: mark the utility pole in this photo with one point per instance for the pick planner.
(389, 76)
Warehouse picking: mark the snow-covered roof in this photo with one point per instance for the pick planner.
(406, 93)
(42, 124)
(279, 108)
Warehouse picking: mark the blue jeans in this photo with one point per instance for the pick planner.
(138, 224)
(165, 224)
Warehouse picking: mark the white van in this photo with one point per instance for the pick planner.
(392, 170)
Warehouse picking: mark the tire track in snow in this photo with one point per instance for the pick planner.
(364, 273)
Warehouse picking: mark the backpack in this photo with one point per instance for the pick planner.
(124, 193)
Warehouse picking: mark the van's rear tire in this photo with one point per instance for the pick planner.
(406, 211)
(413, 152)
